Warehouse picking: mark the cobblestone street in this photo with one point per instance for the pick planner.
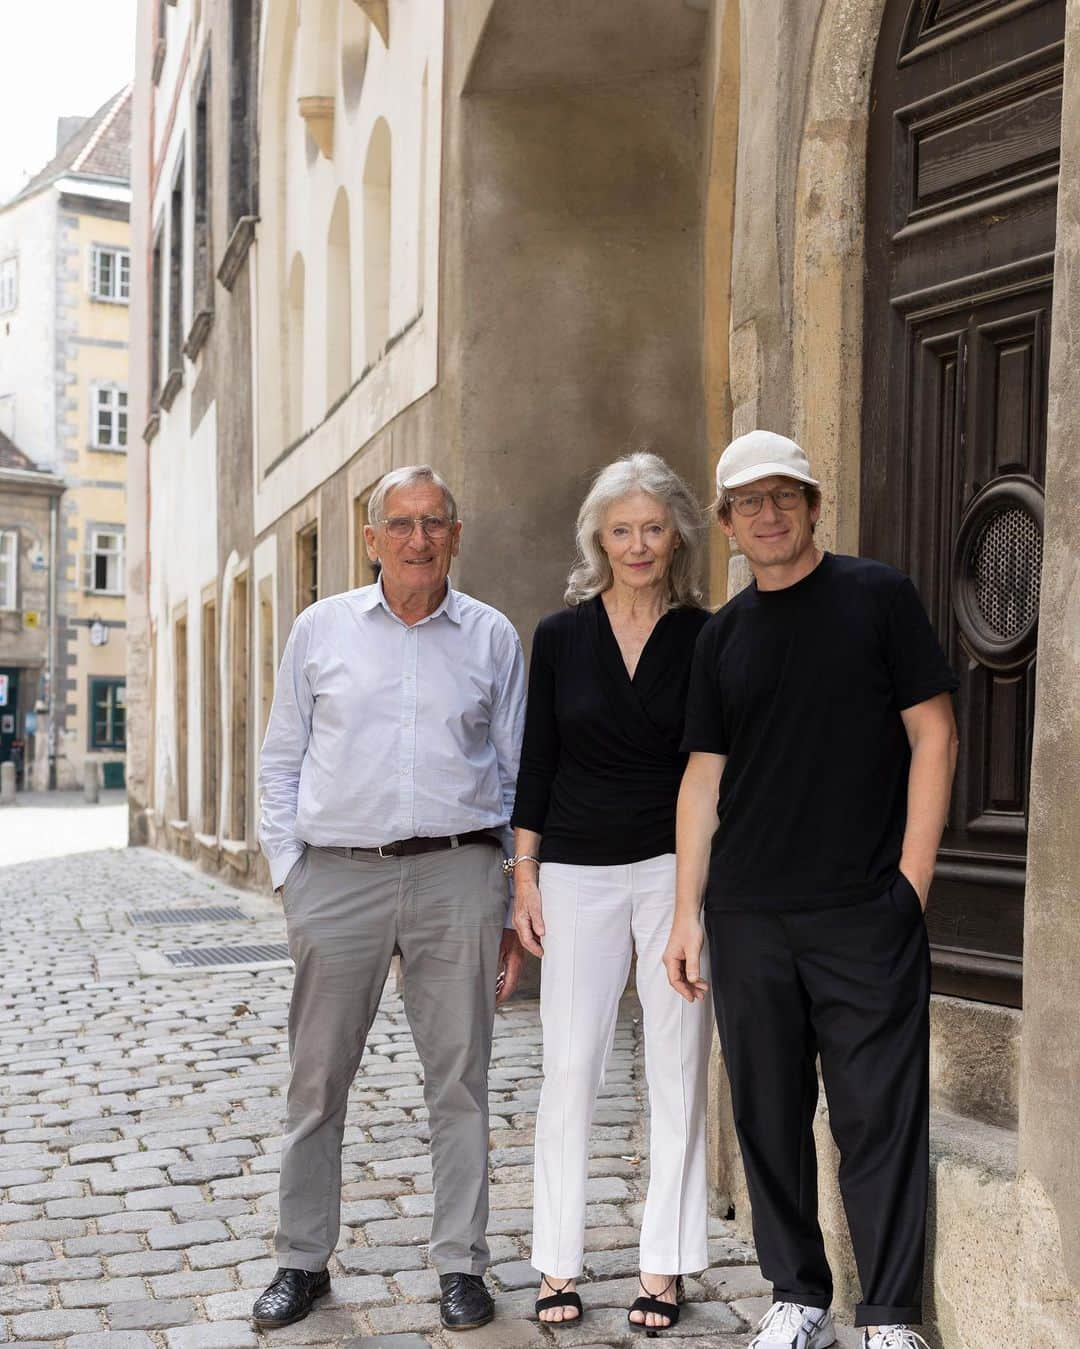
(140, 1121)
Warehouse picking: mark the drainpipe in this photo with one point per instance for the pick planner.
(54, 512)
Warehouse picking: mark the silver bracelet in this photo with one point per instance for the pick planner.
(509, 863)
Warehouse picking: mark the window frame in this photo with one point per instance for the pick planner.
(111, 684)
(9, 280)
(93, 552)
(119, 291)
(9, 546)
(117, 444)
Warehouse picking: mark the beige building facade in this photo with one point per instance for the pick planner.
(66, 258)
(516, 240)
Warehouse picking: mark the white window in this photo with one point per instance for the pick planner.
(9, 285)
(110, 274)
(9, 569)
(108, 413)
(105, 562)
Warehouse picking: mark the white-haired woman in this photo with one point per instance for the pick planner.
(594, 870)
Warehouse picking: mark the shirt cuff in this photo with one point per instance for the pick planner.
(283, 863)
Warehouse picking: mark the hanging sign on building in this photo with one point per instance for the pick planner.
(3, 690)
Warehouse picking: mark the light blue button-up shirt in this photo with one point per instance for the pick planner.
(380, 731)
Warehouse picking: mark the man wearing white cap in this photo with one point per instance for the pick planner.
(822, 747)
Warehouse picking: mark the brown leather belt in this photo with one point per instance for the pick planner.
(410, 847)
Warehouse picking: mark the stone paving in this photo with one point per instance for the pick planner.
(139, 1135)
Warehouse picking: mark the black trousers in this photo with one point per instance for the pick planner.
(853, 985)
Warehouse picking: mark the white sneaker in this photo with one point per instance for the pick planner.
(790, 1325)
(893, 1337)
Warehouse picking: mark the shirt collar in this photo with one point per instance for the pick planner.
(374, 595)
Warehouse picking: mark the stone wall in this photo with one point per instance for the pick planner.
(1050, 1059)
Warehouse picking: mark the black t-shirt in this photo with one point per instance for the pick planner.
(600, 761)
(802, 690)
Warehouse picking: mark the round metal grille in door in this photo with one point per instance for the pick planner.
(997, 572)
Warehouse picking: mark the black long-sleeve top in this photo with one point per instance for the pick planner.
(600, 762)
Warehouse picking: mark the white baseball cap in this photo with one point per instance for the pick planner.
(762, 454)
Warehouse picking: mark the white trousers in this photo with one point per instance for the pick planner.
(595, 918)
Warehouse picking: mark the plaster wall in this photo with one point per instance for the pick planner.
(183, 538)
(163, 101)
(28, 232)
(300, 185)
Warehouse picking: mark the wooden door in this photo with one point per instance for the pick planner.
(962, 167)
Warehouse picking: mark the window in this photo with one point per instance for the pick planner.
(105, 562)
(109, 418)
(365, 572)
(108, 714)
(307, 566)
(158, 280)
(210, 705)
(201, 274)
(110, 274)
(238, 680)
(9, 569)
(244, 23)
(181, 678)
(9, 285)
(176, 268)
(266, 652)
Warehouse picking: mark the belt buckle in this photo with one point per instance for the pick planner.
(389, 850)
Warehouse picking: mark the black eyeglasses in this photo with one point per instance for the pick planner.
(783, 498)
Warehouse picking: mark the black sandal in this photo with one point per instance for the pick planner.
(648, 1303)
(560, 1298)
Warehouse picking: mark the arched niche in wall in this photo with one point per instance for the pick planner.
(377, 170)
(355, 32)
(338, 302)
(294, 338)
(421, 202)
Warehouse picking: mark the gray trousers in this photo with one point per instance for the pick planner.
(346, 917)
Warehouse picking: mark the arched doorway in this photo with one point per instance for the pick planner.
(962, 163)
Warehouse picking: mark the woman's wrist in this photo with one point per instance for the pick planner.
(522, 866)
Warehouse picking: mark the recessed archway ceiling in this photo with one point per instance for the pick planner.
(526, 44)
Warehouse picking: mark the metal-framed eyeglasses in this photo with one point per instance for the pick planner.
(750, 503)
(402, 526)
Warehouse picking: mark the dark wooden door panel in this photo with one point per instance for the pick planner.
(961, 204)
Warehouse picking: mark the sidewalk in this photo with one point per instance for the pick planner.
(53, 824)
(139, 1130)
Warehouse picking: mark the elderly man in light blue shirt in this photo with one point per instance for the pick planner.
(387, 781)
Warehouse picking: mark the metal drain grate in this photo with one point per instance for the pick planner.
(200, 957)
(211, 913)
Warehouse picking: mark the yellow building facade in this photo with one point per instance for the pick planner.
(95, 434)
(66, 260)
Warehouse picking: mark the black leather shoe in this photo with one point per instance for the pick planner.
(465, 1302)
(289, 1297)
